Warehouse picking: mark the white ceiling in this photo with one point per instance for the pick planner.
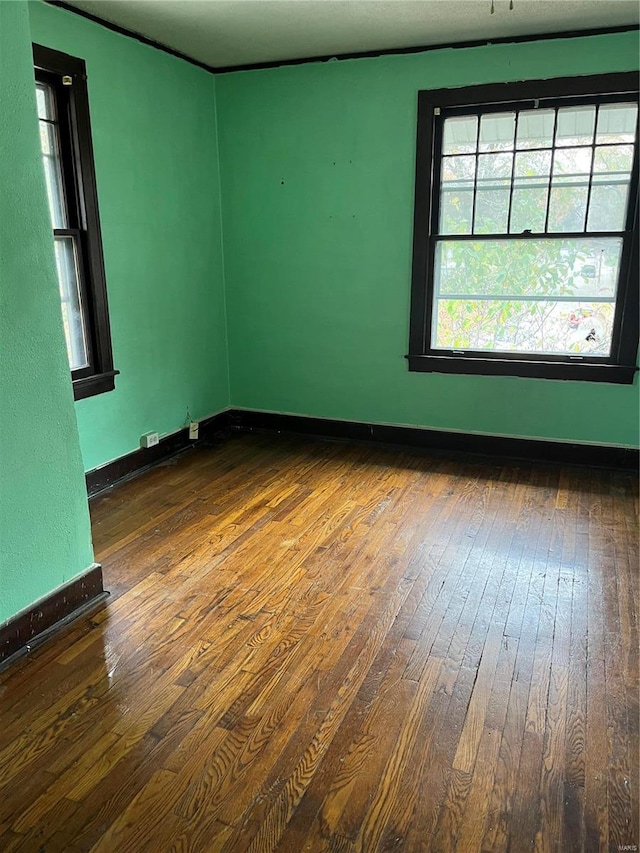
(223, 33)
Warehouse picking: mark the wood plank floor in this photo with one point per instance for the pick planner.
(320, 647)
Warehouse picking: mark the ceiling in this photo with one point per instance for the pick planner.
(224, 33)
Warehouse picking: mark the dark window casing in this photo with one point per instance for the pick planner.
(79, 180)
(620, 367)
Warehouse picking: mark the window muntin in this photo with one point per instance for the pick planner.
(531, 233)
(67, 155)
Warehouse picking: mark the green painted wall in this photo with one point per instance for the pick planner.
(154, 135)
(45, 537)
(317, 165)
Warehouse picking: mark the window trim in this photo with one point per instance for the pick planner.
(79, 181)
(621, 366)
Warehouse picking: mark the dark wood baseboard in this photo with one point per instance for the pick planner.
(28, 629)
(239, 420)
(106, 475)
(402, 436)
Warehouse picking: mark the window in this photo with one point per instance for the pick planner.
(525, 259)
(67, 154)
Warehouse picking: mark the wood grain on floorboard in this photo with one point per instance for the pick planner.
(339, 649)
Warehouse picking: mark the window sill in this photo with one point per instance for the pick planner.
(90, 386)
(579, 371)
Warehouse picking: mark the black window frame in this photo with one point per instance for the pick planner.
(620, 367)
(79, 182)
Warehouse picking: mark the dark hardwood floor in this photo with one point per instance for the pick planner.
(320, 647)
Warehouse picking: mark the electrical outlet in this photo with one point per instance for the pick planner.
(193, 430)
(149, 439)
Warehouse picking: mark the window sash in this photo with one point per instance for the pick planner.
(561, 331)
(521, 96)
(73, 299)
(82, 225)
(432, 297)
(67, 224)
(433, 107)
(519, 107)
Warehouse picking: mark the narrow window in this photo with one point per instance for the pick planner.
(526, 230)
(67, 154)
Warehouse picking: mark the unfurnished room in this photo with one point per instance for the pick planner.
(319, 426)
